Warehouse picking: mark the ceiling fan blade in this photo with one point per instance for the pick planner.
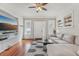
(32, 7)
(44, 4)
(44, 9)
(38, 4)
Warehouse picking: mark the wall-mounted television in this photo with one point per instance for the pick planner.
(7, 24)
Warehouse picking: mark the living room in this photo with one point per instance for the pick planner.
(48, 26)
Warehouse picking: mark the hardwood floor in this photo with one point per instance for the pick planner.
(18, 49)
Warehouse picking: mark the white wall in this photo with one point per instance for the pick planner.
(72, 30)
(20, 28)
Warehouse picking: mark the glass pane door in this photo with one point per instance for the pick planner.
(27, 29)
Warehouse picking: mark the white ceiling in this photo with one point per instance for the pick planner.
(21, 9)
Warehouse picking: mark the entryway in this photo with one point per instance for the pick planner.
(36, 28)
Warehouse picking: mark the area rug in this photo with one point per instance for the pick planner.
(36, 50)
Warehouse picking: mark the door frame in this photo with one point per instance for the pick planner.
(47, 24)
(24, 27)
(38, 19)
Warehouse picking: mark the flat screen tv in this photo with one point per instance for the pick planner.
(7, 24)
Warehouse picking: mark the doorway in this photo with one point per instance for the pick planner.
(39, 29)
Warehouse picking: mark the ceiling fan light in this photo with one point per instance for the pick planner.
(39, 8)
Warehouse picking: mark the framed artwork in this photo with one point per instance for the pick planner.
(7, 24)
(68, 21)
(8, 27)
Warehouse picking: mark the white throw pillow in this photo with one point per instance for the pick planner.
(60, 36)
(50, 41)
(77, 40)
(69, 38)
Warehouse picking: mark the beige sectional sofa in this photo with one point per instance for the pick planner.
(67, 46)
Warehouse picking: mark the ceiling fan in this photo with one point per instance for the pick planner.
(39, 6)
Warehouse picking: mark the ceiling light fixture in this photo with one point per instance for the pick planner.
(39, 6)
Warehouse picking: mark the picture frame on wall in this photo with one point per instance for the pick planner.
(68, 21)
(8, 24)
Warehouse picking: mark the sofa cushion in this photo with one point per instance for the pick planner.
(54, 38)
(60, 41)
(77, 40)
(60, 36)
(57, 40)
(61, 50)
(51, 39)
(69, 38)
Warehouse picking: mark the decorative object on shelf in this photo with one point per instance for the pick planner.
(68, 21)
(39, 6)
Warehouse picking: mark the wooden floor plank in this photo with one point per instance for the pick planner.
(18, 49)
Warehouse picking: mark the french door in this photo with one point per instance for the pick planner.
(39, 29)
